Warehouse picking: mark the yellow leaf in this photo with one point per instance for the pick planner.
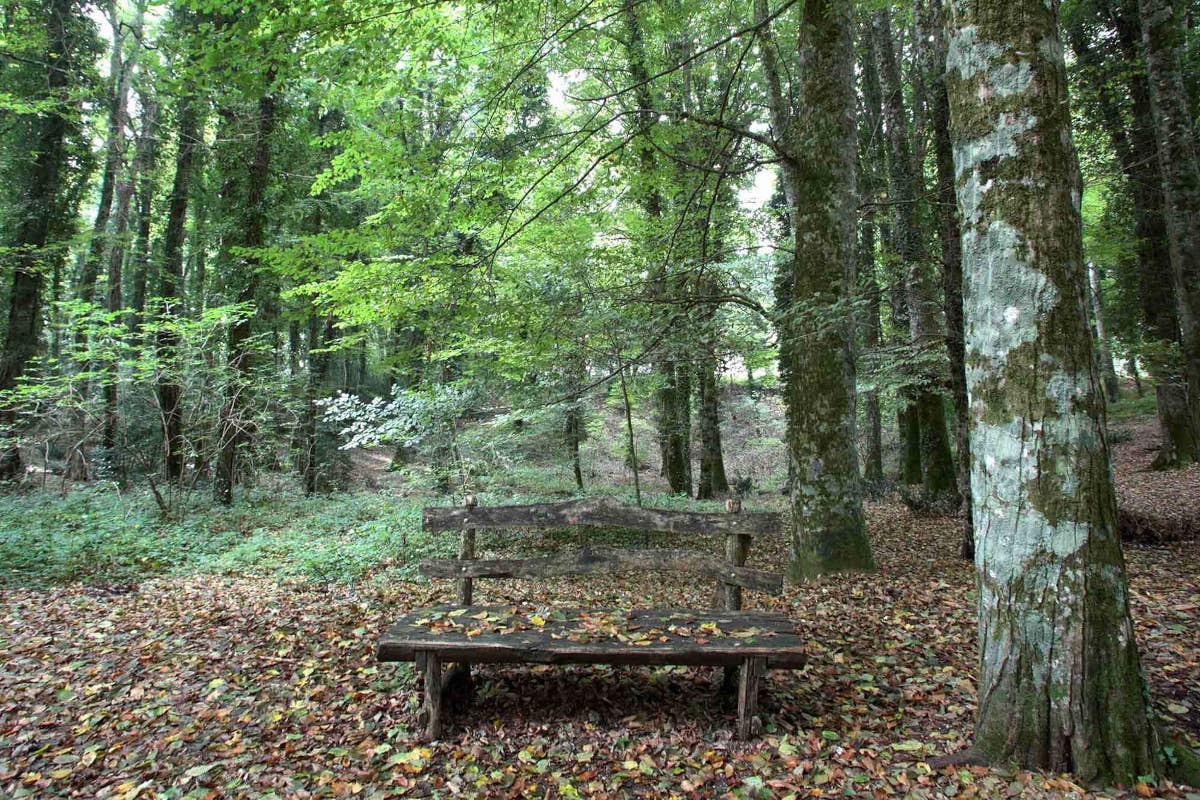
(537, 620)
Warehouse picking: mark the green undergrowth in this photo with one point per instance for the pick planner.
(98, 535)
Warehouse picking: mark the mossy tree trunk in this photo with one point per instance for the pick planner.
(1179, 162)
(1060, 685)
(818, 144)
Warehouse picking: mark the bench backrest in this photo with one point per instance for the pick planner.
(736, 527)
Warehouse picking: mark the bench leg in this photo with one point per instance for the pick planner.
(433, 696)
(749, 679)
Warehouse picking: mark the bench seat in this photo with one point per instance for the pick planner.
(752, 641)
(580, 636)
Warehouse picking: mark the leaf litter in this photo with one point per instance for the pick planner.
(207, 687)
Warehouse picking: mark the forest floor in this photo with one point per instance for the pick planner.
(234, 679)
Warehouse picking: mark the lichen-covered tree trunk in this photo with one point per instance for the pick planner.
(39, 216)
(1179, 162)
(937, 463)
(1060, 685)
(817, 326)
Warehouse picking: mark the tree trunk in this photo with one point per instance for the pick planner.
(1162, 35)
(116, 260)
(1053, 600)
(871, 161)
(232, 426)
(28, 247)
(949, 225)
(712, 461)
(145, 158)
(818, 145)
(937, 463)
(1112, 389)
(170, 382)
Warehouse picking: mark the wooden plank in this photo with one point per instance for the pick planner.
(602, 512)
(588, 561)
(752, 670)
(775, 638)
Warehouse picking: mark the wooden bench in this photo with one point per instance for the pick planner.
(746, 643)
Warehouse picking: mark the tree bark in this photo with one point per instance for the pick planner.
(38, 219)
(1179, 162)
(1053, 599)
(818, 144)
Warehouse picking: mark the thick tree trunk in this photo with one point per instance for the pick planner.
(1162, 35)
(232, 426)
(170, 383)
(38, 219)
(819, 145)
(949, 224)
(937, 463)
(1060, 686)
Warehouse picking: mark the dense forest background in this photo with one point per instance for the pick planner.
(278, 275)
(238, 240)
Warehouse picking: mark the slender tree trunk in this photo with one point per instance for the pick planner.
(1112, 389)
(1162, 35)
(937, 464)
(712, 461)
(170, 382)
(145, 160)
(116, 261)
(121, 71)
(1060, 687)
(872, 162)
(232, 426)
(818, 143)
(949, 225)
(673, 396)
(38, 219)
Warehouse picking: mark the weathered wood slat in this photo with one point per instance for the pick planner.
(590, 561)
(776, 640)
(602, 512)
